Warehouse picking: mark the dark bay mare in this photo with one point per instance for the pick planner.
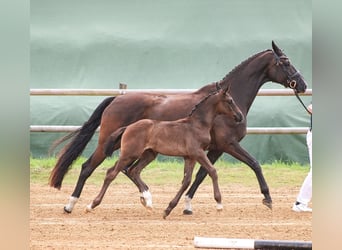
(189, 137)
(245, 80)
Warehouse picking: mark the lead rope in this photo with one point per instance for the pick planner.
(300, 100)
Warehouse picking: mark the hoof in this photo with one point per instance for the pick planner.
(219, 207)
(267, 203)
(142, 201)
(89, 208)
(67, 211)
(166, 213)
(187, 212)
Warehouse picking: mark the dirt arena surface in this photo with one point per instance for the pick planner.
(121, 222)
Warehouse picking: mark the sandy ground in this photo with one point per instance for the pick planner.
(121, 222)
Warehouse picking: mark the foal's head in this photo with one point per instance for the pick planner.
(228, 106)
(223, 103)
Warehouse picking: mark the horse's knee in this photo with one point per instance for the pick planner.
(213, 173)
(256, 167)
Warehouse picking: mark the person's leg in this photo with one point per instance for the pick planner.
(305, 192)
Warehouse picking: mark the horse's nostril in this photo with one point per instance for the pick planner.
(238, 118)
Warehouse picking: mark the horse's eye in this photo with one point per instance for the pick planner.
(286, 62)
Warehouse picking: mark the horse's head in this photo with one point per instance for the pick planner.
(230, 106)
(284, 72)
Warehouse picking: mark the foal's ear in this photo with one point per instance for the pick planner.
(276, 49)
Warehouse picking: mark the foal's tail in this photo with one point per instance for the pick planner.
(73, 149)
(113, 139)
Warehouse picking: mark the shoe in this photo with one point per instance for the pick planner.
(300, 207)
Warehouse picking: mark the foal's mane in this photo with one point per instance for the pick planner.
(238, 67)
(202, 101)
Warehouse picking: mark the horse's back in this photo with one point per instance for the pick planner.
(132, 107)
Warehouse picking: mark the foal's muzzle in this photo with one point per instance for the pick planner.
(238, 117)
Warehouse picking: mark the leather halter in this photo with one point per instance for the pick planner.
(292, 83)
(290, 78)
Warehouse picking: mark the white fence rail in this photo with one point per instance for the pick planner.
(116, 92)
(254, 130)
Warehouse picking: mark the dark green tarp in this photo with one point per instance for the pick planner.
(165, 44)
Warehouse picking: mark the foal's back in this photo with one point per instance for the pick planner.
(173, 138)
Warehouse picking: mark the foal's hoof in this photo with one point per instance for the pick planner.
(142, 201)
(67, 211)
(219, 207)
(267, 203)
(147, 205)
(187, 212)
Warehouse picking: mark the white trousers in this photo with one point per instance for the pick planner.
(305, 192)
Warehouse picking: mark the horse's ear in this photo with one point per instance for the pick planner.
(276, 49)
(227, 89)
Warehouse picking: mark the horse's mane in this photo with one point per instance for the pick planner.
(201, 101)
(235, 69)
(238, 67)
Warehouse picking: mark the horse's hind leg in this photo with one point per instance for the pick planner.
(134, 174)
(188, 168)
(87, 169)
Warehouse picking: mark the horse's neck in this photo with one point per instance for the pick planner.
(246, 79)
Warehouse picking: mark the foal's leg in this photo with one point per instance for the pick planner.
(239, 153)
(212, 155)
(134, 173)
(110, 176)
(204, 161)
(188, 168)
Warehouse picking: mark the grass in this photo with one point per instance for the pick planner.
(277, 174)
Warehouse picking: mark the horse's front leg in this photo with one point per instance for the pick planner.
(239, 153)
(189, 165)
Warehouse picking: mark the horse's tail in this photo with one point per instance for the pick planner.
(112, 140)
(73, 149)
